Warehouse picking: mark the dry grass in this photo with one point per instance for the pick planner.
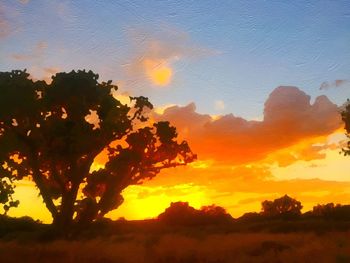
(171, 248)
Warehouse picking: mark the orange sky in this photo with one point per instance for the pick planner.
(198, 63)
(293, 150)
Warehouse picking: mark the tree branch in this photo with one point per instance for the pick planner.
(38, 179)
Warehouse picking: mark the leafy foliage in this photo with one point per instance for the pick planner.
(324, 210)
(52, 133)
(284, 205)
(346, 118)
(181, 213)
(332, 211)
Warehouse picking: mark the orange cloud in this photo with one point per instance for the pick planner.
(159, 72)
(310, 149)
(289, 118)
(154, 62)
(155, 55)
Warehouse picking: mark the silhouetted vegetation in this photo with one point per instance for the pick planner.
(20, 225)
(181, 213)
(52, 133)
(346, 118)
(331, 211)
(182, 219)
(284, 206)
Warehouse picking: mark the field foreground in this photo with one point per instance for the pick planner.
(171, 248)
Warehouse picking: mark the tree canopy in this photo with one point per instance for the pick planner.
(52, 133)
(181, 213)
(346, 118)
(284, 205)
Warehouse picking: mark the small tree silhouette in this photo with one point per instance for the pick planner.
(346, 118)
(181, 213)
(52, 133)
(285, 206)
(332, 211)
(324, 210)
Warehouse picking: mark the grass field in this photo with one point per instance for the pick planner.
(171, 248)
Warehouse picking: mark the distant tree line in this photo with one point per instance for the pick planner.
(285, 208)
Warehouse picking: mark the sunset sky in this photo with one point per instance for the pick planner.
(255, 87)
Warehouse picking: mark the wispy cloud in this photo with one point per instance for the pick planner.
(24, 2)
(5, 28)
(36, 56)
(219, 105)
(335, 84)
(34, 53)
(155, 54)
(43, 73)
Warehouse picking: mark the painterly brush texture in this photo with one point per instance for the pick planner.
(189, 114)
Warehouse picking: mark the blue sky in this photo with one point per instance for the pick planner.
(236, 52)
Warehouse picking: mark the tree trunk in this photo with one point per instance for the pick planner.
(63, 223)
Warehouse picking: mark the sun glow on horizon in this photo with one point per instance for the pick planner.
(145, 202)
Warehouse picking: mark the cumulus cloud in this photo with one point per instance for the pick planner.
(289, 118)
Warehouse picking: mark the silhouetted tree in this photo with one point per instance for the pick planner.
(346, 118)
(324, 210)
(181, 213)
(284, 205)
(52, 133)
(215, 214)
(331, 211)
(250, 216)
(213, 210)
(7, 190)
